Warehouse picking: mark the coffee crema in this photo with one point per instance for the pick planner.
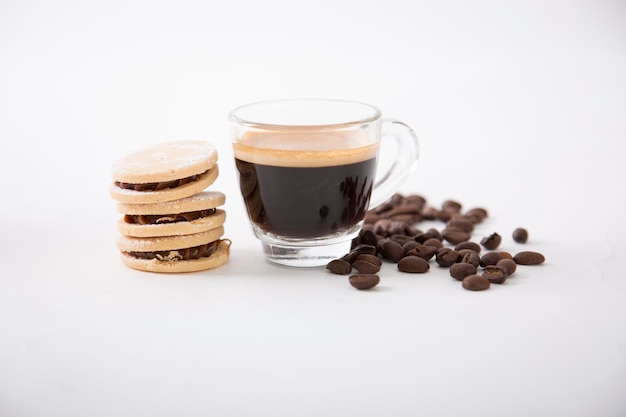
(306, 185)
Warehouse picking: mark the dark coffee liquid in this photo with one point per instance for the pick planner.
(306, 202)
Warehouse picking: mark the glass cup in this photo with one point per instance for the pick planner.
(308, 173)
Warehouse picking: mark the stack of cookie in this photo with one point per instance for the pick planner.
(170, 223)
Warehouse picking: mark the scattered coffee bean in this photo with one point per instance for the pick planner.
(461, 270)
(529, 258)
(508, 264)
(468, 256)
(391, 250)
(366, 266)
(339, 267)
(455, 236)
(520, 235)
(359, 249)
(451, 206)
(490, 258)
(477, 215)
(423, 251)
(468, 245)
(446, 257)
(413, 264)
(495, 274)
(505, 254)
(434, 242)
(492, 241)
(463, 224)
(476, 283)
(364, 281)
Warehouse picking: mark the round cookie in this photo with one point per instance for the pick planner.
(164, 172)
(185, 216)
(168, 254)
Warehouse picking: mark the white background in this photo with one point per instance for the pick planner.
(520, 108)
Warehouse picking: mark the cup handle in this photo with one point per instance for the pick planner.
(387, 184)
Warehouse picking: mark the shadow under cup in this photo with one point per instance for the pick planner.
(306, 183)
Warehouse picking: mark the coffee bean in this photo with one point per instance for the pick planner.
(468, 256)
(455, 236)
(364, 281)
(359, 250)
(370, 258)
(520, 235)
(339, 267)
(366, 266)
(401, 239)
(508, 264)
(368, 237)
(451, 206)
(495, 274)
(430, 213)
(430, 234)
(475, 283)
(461, 270)
(463, 224)
(529, 258)
(490, 258)
(446, 257)
(477, 215)
(410, 245)
(391, 250)
(413, 264)
(423, 251)
(468, 245)
(492, 241)
(434, 242)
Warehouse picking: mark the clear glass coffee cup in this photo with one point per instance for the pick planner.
(308, 173)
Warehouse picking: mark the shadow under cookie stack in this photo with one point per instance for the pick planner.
(170, 223)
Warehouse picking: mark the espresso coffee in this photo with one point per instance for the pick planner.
(318, 187)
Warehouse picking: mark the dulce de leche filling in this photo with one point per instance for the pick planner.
(185, 254)
(158, 186)
(167, 218)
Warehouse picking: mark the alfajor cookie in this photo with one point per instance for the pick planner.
(185, 216)
(187, 253)
(164, 172)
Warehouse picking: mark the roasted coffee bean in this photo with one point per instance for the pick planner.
(391, 250)
(359, 250)
(364, 281)
(529, 258)
(520, 235)
(468, 245)
(371, 218)
(451, 206)
(446, 257)
(397, 228)
(368, 237)
(461, 270)
(339, 267)
(423, 251)
(468, 256)
(463, 224)
(434, 242)
(413, 264)
(401, 239)
(429, 234)
(410, 245)
(477, 214)
(490, 258)
(366, 266)
(508, 264)
(475, 283)
(381, 227)
(505, 254)
(455, 236)
(430, 213)
(435, 233)
(495, 274)
(370, 258)
(492, 241)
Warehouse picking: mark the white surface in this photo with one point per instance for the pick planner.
(520, 108)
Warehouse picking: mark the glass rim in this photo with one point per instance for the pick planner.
(235, 117)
